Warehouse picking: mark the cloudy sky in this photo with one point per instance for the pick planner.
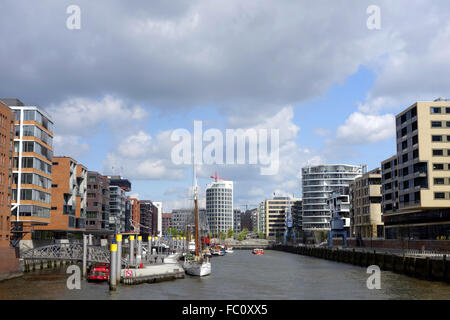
(137, 70)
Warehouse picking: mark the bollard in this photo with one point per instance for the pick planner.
(84, 256)
(139, 251)
(119, 256)
(90, 239)
(131, 244)
(113, 267)
(149, 249)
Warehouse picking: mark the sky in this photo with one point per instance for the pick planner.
(134, 72)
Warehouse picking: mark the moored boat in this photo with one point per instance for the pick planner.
(258, 251)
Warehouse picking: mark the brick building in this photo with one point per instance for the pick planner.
(9, 263)
(68, 200)
(97, 204)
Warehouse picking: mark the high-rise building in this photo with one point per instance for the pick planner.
(132, 215)
(68, 200)
(9, 262)
(276, 215)
(97, 205)
(158, 220)
(365, 205)
(32, 168)
(318, 182)
(180, 217)
(219, 206)
(416, 181)
(118, 187)
(147, 214)
(262, 217)
(237, 220)
(297, 215)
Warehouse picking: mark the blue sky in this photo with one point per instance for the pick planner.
(134, 72)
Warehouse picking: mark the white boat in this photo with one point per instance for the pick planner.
(229, 250)
(199, 265)
(199, 269)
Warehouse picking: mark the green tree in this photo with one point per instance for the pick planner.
(261, 235)
(230, 233)
(240, 236)
(222, 235)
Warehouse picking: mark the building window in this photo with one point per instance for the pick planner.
(438, 166)
(435, 110)
(436, 124)
(436, 138)
(438, 152)
(439, 195)
(439, 181)
(447, 110)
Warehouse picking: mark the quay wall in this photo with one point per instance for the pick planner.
(9, 264)
(418, 267)
(433, 245)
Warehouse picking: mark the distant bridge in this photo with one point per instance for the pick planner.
(68, 251)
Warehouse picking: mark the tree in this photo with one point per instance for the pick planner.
(261, 235)
(222, 235)
(230, 233)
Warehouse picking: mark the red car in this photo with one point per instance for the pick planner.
(100, 272)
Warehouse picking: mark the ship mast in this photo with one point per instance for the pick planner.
(197, 238)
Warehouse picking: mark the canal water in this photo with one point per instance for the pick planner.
(240, 275)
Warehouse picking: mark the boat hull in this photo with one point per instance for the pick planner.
(197, 269)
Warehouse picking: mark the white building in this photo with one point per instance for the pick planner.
(219, 206)
(160, 212)
(318, 183)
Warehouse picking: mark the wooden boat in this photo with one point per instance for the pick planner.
(199, 265)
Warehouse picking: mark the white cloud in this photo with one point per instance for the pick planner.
(84, 116)
(67, 145)
(362, 128)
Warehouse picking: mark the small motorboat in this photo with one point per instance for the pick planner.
(216, 251)
(258, 251)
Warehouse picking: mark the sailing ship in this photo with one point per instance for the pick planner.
(199, 264)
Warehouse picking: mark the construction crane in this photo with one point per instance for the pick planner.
(289, 224)
(216, 178)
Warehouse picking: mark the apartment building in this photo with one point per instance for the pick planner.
(132, 215)
(9, 262)
(148, 213)
(118, 186)
(296, 210)
(166, 221)
(219, 206)
(31, 168)
(97, 205)
(416, 181)
(237, 227)
(365, 205)
(68, 200)
(117, 199)
(276, 215)
(318, 182)
(262, 217)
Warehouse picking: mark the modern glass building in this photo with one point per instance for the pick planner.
(318, 183)
(32, 166)
(219, 206)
